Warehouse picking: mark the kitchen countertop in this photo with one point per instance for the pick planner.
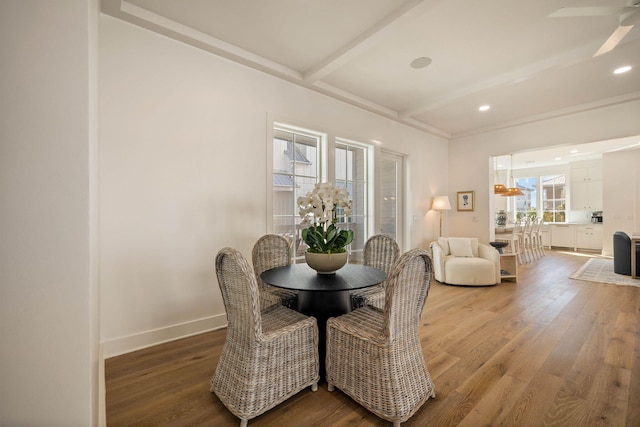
(573, 223)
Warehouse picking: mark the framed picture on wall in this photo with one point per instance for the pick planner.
(465, 200)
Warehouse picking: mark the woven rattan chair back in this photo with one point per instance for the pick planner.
(269, 355)
(240, 294)
(406, 291)
(375, 356)
(270, 251)
(381, 251)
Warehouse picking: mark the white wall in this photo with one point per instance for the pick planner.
(183, 168)
(621, 191)
(468, 171)
(48, 301)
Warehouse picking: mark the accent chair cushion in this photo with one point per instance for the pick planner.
(470, 271)
(443, 242)
(463, 246)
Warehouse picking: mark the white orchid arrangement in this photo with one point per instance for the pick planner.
(320, 208)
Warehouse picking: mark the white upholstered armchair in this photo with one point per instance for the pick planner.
(465, 261)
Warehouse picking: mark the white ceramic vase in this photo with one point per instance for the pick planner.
(326, 263)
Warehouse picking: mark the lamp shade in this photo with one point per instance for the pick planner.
(441, 203)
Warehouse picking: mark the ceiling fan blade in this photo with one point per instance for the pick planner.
(630, 18)
(567, 12)
(613, 40)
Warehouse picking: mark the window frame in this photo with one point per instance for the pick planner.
(554, 211)
(368, 196)
(535, 202)
(540, 196)
(326, 169)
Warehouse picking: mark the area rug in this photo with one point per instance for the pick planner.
(601, 270)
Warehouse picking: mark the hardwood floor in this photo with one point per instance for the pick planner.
(545, 351)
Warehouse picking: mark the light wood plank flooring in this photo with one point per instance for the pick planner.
(546, 351)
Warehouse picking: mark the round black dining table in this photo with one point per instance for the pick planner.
(323, 295)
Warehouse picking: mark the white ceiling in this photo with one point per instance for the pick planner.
(505, 53)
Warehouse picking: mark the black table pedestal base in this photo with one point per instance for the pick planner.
(327, 304)
(322, 306)
(323, 295)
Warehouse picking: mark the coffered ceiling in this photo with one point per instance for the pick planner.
(508, 54)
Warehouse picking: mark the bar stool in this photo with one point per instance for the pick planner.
(513, 240)
(533, 240)
(539, 237)
(536, 238)
(525, 241)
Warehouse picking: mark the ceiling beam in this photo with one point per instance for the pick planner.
(370, 37)
(137, 15)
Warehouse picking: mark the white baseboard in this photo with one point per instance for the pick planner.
(127, 344)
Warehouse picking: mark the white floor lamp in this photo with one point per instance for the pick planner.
(441, 203)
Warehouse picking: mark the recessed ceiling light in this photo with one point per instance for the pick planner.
(573, 151)
(484, 108)
(558, 158)
(622, 69)
(420, 62)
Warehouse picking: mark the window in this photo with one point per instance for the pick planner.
(526, 205)
(295, 172)
(554, 198)
(299, 160)
(351, 172)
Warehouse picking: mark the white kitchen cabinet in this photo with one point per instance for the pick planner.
(588, 237)
(546, 236)
(577, 236)
(563, 235)
(586, 173)
(586, 188)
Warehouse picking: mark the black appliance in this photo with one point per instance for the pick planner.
(596, 217)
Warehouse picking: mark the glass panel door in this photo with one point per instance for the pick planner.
(391, 190)
(351, 172)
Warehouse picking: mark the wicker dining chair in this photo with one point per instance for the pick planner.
(374, 356)
(268, 356)
(270, 251)
(380, 251)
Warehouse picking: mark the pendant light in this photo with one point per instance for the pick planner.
(498, 188)
(512, 191)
